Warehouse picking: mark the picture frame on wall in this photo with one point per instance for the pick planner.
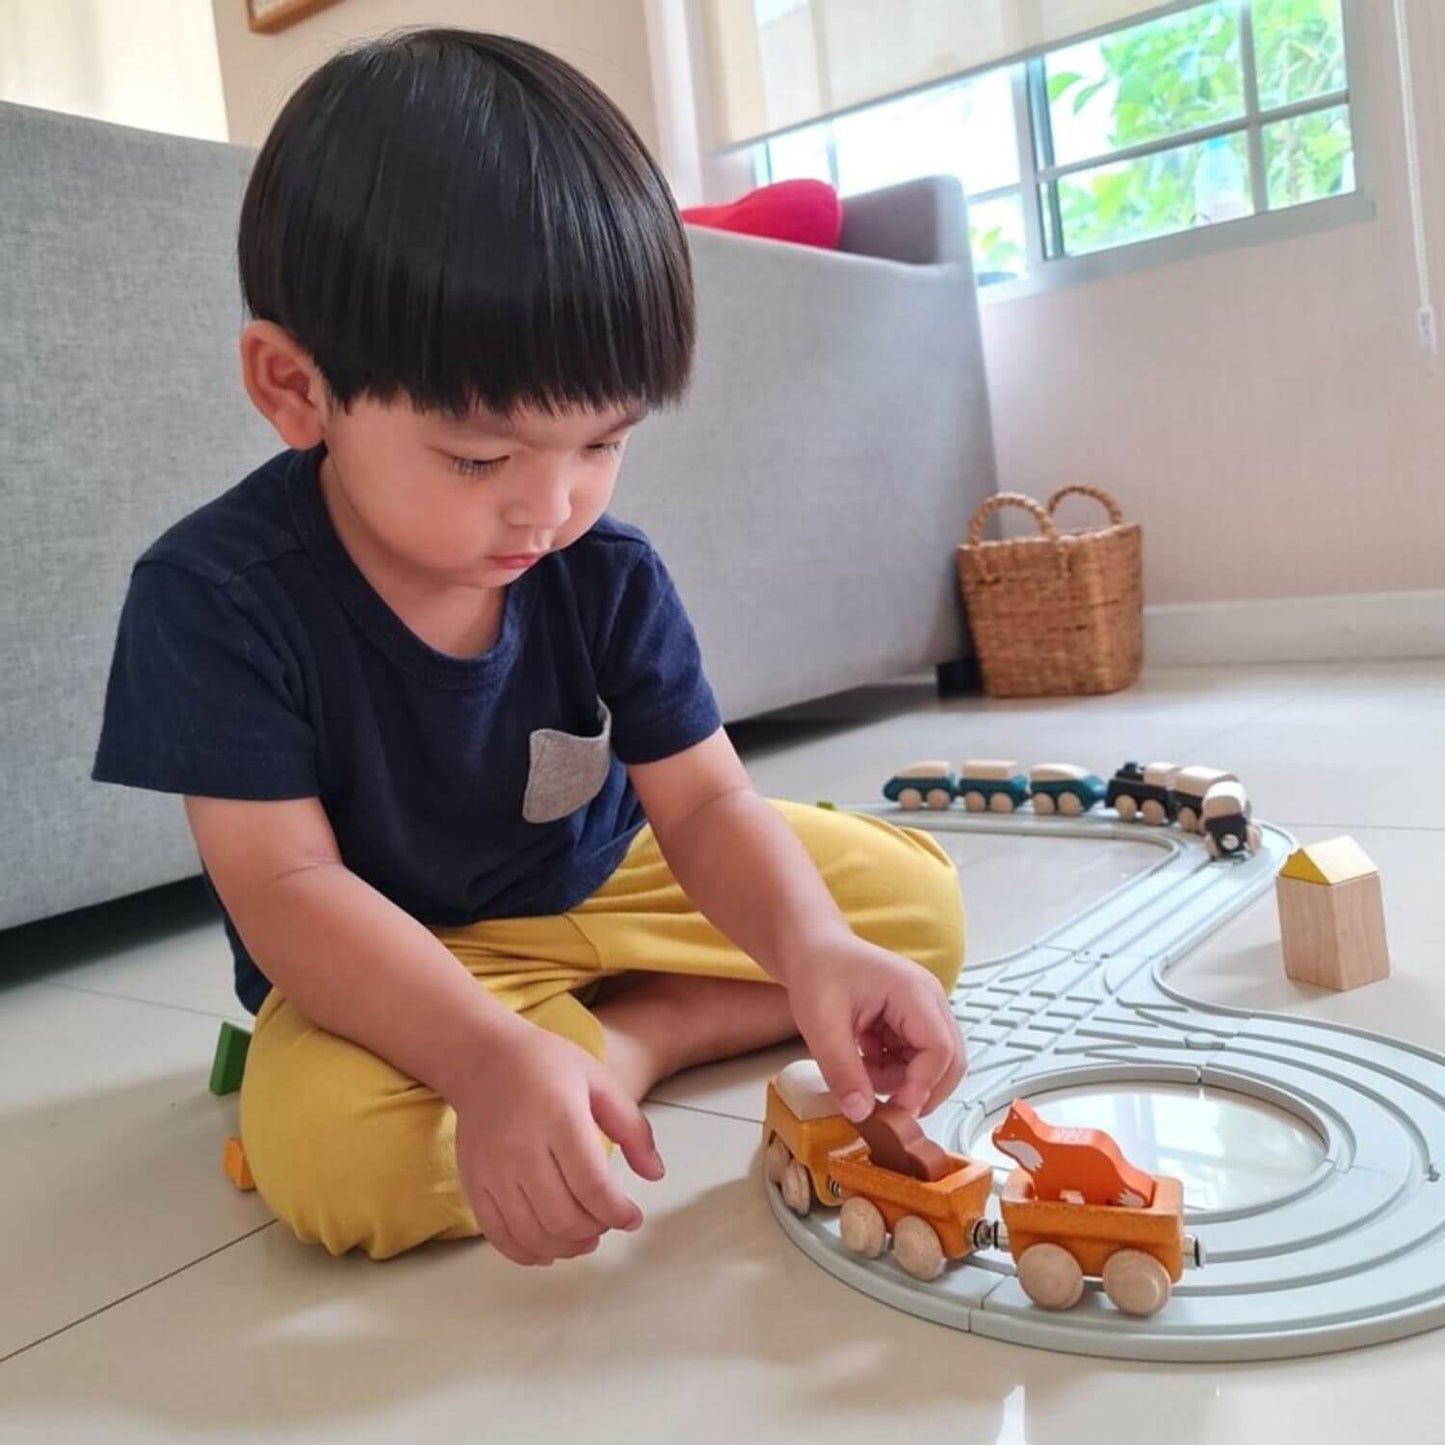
(266, 16)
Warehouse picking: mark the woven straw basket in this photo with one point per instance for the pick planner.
(1059, 613)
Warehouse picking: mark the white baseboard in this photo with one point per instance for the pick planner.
(1297, 629)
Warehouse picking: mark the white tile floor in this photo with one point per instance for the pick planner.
(141, 1298)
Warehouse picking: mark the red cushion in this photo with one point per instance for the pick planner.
(808, 213)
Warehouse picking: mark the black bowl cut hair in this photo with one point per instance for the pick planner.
(465, 219)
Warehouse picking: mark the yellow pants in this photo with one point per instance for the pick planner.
(348, 1151)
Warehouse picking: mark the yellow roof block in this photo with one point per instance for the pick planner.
(1337, 860)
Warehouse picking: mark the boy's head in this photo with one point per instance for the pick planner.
(457, 251)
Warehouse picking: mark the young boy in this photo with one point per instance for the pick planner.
(489, 865)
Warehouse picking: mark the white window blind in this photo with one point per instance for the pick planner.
(783, 63)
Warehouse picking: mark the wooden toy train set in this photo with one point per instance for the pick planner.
(1073, 1208)
(1069, 1246)
(1203, 800)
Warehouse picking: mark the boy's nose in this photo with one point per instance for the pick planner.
(542, 504)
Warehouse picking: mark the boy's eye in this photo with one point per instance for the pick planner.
(604, 448)
(474, 466)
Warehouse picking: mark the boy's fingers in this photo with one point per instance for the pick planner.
(623, 1122)
(926, 1068)
(561, 1213)
(937, 1063)
(497, 1234)
(526, 1228)
(835, 1051)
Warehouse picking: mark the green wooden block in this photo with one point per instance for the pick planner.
(230, 1060)
(824, 803)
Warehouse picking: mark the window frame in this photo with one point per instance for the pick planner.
(1038, 176)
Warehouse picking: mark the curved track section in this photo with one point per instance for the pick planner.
(1354, 1256)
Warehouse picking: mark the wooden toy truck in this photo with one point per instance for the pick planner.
(801, 1126)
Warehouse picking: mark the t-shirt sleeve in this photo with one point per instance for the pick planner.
(200, 700)
(651, 676)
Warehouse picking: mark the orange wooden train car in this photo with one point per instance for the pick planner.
(801, 1127)
(1138, 1253)
(929, 1220)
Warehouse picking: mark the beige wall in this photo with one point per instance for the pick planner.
(146, 63)
(605, 39)
(1265, 412)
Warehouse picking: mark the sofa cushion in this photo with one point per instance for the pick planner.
(807, 213)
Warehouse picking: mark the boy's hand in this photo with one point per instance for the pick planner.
(528, 1154)
(848, 996)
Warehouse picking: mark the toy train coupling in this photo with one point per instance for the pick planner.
(1193, 1252)
(990, 1234)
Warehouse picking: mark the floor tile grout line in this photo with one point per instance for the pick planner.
(139, 1290)
(234, 1018)
(698, 1109)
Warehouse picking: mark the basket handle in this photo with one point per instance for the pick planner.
(1010, 499)
(1116, 512)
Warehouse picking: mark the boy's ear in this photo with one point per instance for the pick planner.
(284, 384)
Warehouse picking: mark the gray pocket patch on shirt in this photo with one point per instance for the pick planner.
(566, 771)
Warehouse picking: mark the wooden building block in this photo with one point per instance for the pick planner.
(233, 1162)
(1332, 916)
(230, 1060)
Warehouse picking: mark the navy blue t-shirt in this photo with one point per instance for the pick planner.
(254, 660)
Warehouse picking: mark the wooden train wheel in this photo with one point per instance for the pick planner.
(864, 1231)
(776, 1159)
(1071, 805)
(975, 802)
(1001, 803)
(1043, 804)
(917, 1248)
(1136, 1282)
(1050, 1276)
(797, 1189)
(1186, 819)
(910, 799)
(1126, 807)
(939, 799)
(1153, 813)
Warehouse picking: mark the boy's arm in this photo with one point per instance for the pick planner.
(345, 955)
(736, 857)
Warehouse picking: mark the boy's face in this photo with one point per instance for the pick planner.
(475, 503)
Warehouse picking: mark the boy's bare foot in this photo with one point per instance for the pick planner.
(658, 1024)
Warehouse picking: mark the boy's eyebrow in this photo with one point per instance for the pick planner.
(501, 426)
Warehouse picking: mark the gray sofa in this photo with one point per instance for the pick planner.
(806, 498)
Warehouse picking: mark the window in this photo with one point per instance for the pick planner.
(1227, 110)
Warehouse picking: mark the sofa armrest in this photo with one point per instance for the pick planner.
(923, 222)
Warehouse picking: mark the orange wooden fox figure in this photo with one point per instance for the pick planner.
(1066, 1162)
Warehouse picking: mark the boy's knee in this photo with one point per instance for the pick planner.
(351, 1155)
(902, 893)
(933, 926)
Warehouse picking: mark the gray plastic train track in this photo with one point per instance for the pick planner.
(1354, 1255)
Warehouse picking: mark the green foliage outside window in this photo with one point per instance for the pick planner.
(1185, 72)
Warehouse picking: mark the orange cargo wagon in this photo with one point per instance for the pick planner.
(1138, 1253)
(930, 1221)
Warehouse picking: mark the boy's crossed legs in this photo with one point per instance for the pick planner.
(348, 1151)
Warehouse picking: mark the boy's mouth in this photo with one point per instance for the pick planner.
(517, 560)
